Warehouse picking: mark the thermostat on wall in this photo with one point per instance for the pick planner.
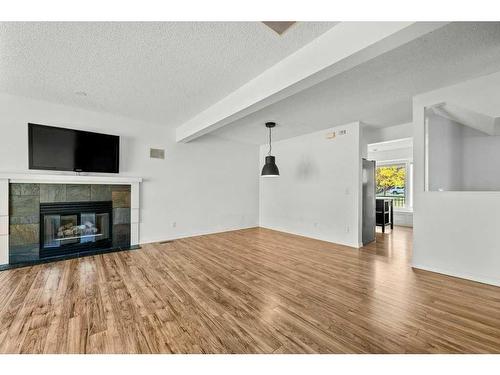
(331, 135)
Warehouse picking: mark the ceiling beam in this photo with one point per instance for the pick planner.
(479, 121)
(343, 47)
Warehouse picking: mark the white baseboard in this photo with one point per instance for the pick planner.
(353, 245)
(147, 241)
(201, 233)
(476, 278)
(403, 218)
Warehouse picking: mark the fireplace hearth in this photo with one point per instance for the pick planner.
(74, 227)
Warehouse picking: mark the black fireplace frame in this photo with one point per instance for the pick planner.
(75, 208)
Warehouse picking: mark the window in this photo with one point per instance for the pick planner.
(394, 180)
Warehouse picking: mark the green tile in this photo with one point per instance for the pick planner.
(23, 234)
(121, 215)
(121, 235)
(24, 253)
(30, 189)
(31, 219)
(77, 193)
(25, 189)
(21, 206)
(15, 189)
(50, 193)
(100, 192)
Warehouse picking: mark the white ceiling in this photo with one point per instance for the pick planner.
(168, 72)
(164, 72)
(379, 91)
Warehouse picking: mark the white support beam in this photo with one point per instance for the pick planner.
(478, 121)
(345, 46)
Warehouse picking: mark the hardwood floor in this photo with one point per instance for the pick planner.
(248, 291)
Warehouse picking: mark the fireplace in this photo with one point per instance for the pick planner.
(75, 227)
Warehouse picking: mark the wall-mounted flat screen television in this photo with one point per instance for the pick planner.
(61, 149)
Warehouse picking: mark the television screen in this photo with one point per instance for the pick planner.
(63, 149)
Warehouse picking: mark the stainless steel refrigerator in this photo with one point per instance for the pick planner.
(368, 202)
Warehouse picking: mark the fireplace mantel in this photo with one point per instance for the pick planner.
(35, 178)
(39, 178)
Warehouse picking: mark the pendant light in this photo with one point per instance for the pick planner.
(270, 168)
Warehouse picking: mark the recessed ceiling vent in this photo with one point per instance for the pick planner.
(279, 26)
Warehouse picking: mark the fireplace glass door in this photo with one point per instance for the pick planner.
(66, 231)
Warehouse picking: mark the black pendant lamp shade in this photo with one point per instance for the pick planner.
(270, 168)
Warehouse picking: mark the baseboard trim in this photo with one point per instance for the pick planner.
(197, 234)
(354, 246)
(403, 225)
(470, 277)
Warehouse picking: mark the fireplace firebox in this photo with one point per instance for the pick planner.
(75, 227)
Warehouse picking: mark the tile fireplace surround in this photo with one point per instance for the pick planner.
(22, 194)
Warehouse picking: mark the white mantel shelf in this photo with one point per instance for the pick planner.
(35, 178)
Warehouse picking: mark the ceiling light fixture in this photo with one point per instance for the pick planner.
(279, 27)
(270, 168)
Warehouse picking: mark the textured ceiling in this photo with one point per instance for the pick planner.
(379, 92)
(165, 72)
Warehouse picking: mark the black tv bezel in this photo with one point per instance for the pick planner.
(31, 164)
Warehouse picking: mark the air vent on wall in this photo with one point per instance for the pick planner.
(279, 26)
(157, 153)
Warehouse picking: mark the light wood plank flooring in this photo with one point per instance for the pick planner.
(248, 291)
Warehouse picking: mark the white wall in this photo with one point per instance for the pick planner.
(481, 161)
(318, 192)
(389, 133)
(461, 158)
(445, 153)
(456, 233)
(206, 186)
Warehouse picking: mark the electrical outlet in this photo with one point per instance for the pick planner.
(347, 228)
(174, 224)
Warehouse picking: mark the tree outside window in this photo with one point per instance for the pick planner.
(391, 182)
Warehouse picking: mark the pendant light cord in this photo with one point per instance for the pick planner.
(270, 147)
